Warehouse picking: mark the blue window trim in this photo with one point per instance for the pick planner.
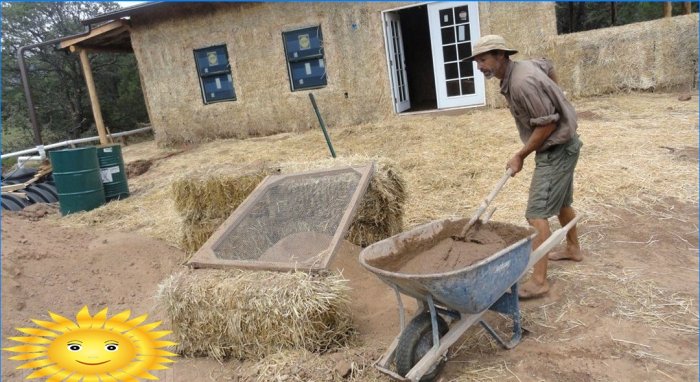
(313, 57)
(219, 70)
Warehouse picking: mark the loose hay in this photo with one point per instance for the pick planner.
(248, 315)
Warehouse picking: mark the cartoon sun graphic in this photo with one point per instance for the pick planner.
(93, 348)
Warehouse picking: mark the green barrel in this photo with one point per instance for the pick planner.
(77, 176)
(112, 171)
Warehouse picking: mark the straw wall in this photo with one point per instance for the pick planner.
(357, 91)
(524, 25)
(652, 55)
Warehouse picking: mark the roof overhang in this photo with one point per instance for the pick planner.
(114, 37)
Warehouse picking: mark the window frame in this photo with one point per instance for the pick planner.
(321, 55)
(201, 76)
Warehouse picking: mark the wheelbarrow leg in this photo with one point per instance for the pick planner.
(507, 304)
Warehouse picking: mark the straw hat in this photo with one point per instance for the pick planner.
(488, 43)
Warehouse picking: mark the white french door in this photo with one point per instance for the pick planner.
(454, 29)
(397, 63)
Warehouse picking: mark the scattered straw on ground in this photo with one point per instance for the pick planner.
(449, 163)
(248, 315)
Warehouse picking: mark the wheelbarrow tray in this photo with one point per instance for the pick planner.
(471, 289)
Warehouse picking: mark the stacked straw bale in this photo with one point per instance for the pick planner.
(380, 213)
(248, 315)
(205, 200)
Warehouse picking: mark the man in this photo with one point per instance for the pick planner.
(546, 122)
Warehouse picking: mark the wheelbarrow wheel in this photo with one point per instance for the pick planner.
(415, 341)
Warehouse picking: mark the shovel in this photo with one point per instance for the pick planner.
(484, 204)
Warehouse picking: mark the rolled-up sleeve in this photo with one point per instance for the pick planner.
(532, 98)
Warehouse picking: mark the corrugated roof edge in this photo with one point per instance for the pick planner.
(122, 13)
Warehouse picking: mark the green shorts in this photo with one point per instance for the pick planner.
(552, 186)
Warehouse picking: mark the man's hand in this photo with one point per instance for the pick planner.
(515, 163)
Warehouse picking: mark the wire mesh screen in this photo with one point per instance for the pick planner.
(292, 220)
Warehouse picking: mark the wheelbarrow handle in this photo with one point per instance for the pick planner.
(485, 203)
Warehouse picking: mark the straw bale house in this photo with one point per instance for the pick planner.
(221, 70)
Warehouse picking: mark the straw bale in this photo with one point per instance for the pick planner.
(248, 315)
(380, 213)
(197, 232)
(651, 55)
(210, 196)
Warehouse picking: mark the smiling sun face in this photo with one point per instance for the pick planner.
(91, 351)
(114, 349)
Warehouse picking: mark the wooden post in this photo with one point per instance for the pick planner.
(94, 100)
(668, 8)
(613, 14)
(687, 7)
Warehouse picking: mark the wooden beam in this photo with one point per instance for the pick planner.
(668, 8)
(687, 9)
(94, 100)
(119, 24)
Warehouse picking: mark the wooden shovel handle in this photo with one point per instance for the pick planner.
(485, 203)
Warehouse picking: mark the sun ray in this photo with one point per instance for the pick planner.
(91, 378)
(147, 375)
(83, 318)
(36, 364)
(31, 340)
(74, 378)
(59, 377)
(155, 359)
(119, 317)
(56, 327)
(107, 378)
(27, 356)
(65, 322)
(44, 372)
(37, 332)
(99, 319)
(160, 334)
(122, 376)
(137, 321)
(27, 349)
(149, 327)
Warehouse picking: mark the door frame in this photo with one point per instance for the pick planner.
(443, 101)
(399, 106)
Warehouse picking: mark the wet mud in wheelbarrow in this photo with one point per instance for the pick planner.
(443, 253)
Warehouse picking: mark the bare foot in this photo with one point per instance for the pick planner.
(569, 253)
(531, 289)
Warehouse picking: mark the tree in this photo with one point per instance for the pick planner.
(56, 80)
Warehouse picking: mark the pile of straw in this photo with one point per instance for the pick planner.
(248, 315)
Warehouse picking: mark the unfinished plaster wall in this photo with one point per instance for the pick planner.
(357, 91)
(648, 56)
(524, 25)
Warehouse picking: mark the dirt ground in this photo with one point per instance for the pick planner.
(628, 312)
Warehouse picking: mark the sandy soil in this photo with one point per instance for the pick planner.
(628, 312)
(578, 333)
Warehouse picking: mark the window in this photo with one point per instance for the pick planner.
(304, 50)
(214, 74)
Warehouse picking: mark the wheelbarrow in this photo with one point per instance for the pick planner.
(462, 295)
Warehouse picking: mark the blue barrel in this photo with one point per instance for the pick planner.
(112, 172)
(77, 176)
